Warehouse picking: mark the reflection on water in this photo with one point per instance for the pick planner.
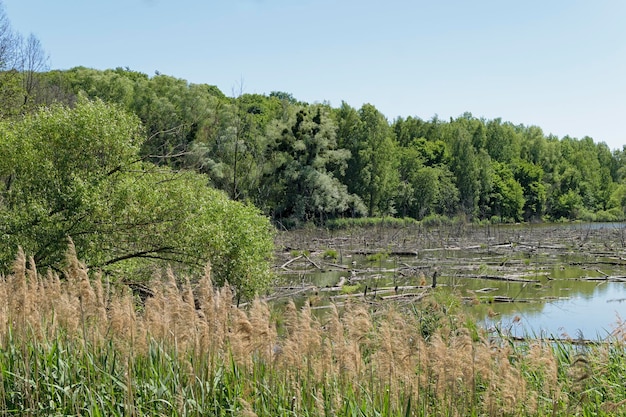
(561, 307)
(590, 312)
(568, 296)
(565, 266)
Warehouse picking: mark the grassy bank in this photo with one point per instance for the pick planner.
(74, 346)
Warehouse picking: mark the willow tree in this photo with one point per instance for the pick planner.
(77, 172)
(303, 165)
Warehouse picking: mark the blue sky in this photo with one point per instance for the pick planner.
(557, 64)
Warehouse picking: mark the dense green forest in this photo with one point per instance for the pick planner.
(301, 162)
(138, 168)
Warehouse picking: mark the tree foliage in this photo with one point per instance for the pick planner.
(304, 159)
(300, 162)
(78, 173)
(372, 170)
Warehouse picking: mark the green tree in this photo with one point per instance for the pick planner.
(464, 164)
(231, 149)
(172, 110)
(304, 159)
(502, 141)
(372, 171)
(409, 129)
(78, 173)
(530, 177)
(579, 171)
(532, 144)
(607, 177)
(568, 206)
(426, 184)
(507, 196)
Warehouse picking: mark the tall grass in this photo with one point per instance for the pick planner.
(70, 345)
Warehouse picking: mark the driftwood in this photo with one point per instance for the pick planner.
(577, 341)
(312, 263)
(533, 246)
(297, 258)
(506, 299)
(613, 278)
(413, 295)
(334, 288)
(400, 288)
(486, 290)
(554, 298)
(616, 262)
(367, 252)
(338, 266)
(289, 262)
(502, 299)
(416, 267)
(498, 278)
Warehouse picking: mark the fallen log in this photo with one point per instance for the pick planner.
(554, 298)
(289, 262)
(616, 262)
(539, 246)
(497, 278)
(413, 295)
(312, 263)
(505, 299)
(407, 266)
(337, 287)
(486, 290)
(577, 341)
(343, 267)
(391, 253)
(613, 278)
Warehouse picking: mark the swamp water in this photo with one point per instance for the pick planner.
(564, 281)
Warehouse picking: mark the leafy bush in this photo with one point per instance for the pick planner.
(436, 220)
(77, 173)
(346, 223)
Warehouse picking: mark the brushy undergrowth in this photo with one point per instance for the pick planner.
(71, 345)
(346, 223)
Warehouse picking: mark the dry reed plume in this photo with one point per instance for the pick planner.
(384, 352)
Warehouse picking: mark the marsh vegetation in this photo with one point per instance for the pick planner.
(75, 346)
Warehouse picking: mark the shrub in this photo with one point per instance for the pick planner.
(76, 172)
(331, 254)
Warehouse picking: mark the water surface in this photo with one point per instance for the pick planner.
(567, 295)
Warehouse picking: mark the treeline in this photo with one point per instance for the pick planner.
(302, 162)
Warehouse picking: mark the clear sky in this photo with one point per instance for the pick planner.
(557, 64)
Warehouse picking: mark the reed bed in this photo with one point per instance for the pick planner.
(77, 345)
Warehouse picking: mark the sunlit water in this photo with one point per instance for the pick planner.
(559, 308)
(565, 301)
(582, 315)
